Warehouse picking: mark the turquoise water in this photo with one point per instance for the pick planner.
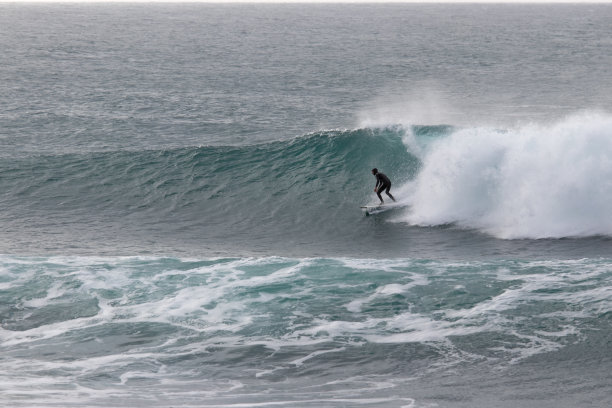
(180, 189)
(306, 332)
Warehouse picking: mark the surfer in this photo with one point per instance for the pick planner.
(382, 184)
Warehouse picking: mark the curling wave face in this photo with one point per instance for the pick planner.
(301, 196)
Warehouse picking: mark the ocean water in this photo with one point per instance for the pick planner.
(180, 189)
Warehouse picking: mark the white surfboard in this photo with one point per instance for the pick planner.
(374, 209)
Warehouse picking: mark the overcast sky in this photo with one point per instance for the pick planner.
(306, 1)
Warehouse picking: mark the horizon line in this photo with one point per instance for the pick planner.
(523, 2)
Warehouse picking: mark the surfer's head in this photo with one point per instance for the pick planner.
(374, 170)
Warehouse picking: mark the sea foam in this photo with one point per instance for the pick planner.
(534, 181)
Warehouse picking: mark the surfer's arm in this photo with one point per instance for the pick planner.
(379, 182)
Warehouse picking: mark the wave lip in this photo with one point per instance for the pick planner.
(536, 181)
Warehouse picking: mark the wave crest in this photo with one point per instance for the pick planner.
(537, 181)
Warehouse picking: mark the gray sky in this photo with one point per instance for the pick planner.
(306, 1)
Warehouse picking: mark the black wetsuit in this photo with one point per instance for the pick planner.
(383, 184)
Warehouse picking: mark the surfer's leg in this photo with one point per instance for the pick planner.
(379, 196)
(388, 193)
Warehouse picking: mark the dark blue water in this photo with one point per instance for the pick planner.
(180, 189)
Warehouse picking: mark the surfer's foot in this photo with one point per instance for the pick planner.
(381, 203)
